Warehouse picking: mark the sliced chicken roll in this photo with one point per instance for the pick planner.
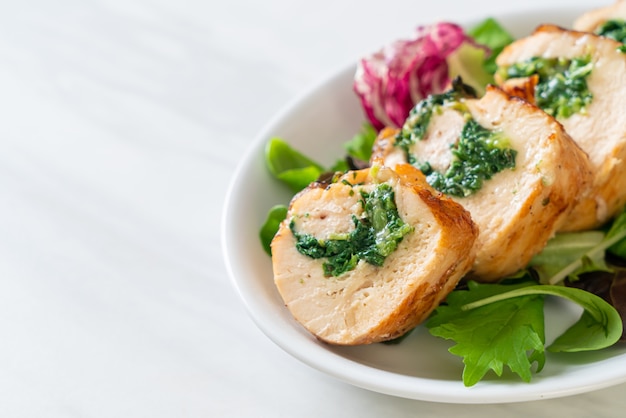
(595, 20)
(512, 166)
(369, 256)
(580, 78)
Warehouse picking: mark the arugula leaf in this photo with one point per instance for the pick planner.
(507, 332)
(610, 286)
(491, 34)
(496, 325)
(567, 248)
(600, 325)
(587, 334)
(592, 258)
(270, 227)
(290, 166)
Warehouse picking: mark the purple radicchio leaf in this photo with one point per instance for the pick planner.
(391, 81)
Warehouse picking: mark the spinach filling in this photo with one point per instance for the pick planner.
(419, 117)
(614, 29)
(562, 88)
(477, 155)
(375, 236)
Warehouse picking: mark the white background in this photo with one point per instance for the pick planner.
(121, 123)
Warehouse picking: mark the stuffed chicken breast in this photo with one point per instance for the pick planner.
(580, 79)
(367, 257)
(511, 165)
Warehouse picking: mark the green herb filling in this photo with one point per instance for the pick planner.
(614, 29)
(477, 156)
(375, 236)
(562, 88)
(417, 123)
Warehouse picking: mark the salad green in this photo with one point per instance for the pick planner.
(491, 34)
(497, 325)
(297, 171)
(290, 166)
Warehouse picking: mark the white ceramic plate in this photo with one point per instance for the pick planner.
(420, 367)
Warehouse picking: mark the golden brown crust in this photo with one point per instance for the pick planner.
(383, 145)
(371, 304)
(447, 211)
(524, 88)
(601, 130)
(517, 211)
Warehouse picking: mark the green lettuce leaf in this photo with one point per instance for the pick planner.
(467, 62)
(270, 227)
(290, 166)
(495, 325)
(491, 34)
(567, 248)
(503, 333)
(618, 229)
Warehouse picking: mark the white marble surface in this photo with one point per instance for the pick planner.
(121, 122)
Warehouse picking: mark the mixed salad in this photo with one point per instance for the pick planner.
(587, 267)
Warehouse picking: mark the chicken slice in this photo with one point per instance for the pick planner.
(593, 19)
(600, 128)
(372, 303)
(517, 210)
